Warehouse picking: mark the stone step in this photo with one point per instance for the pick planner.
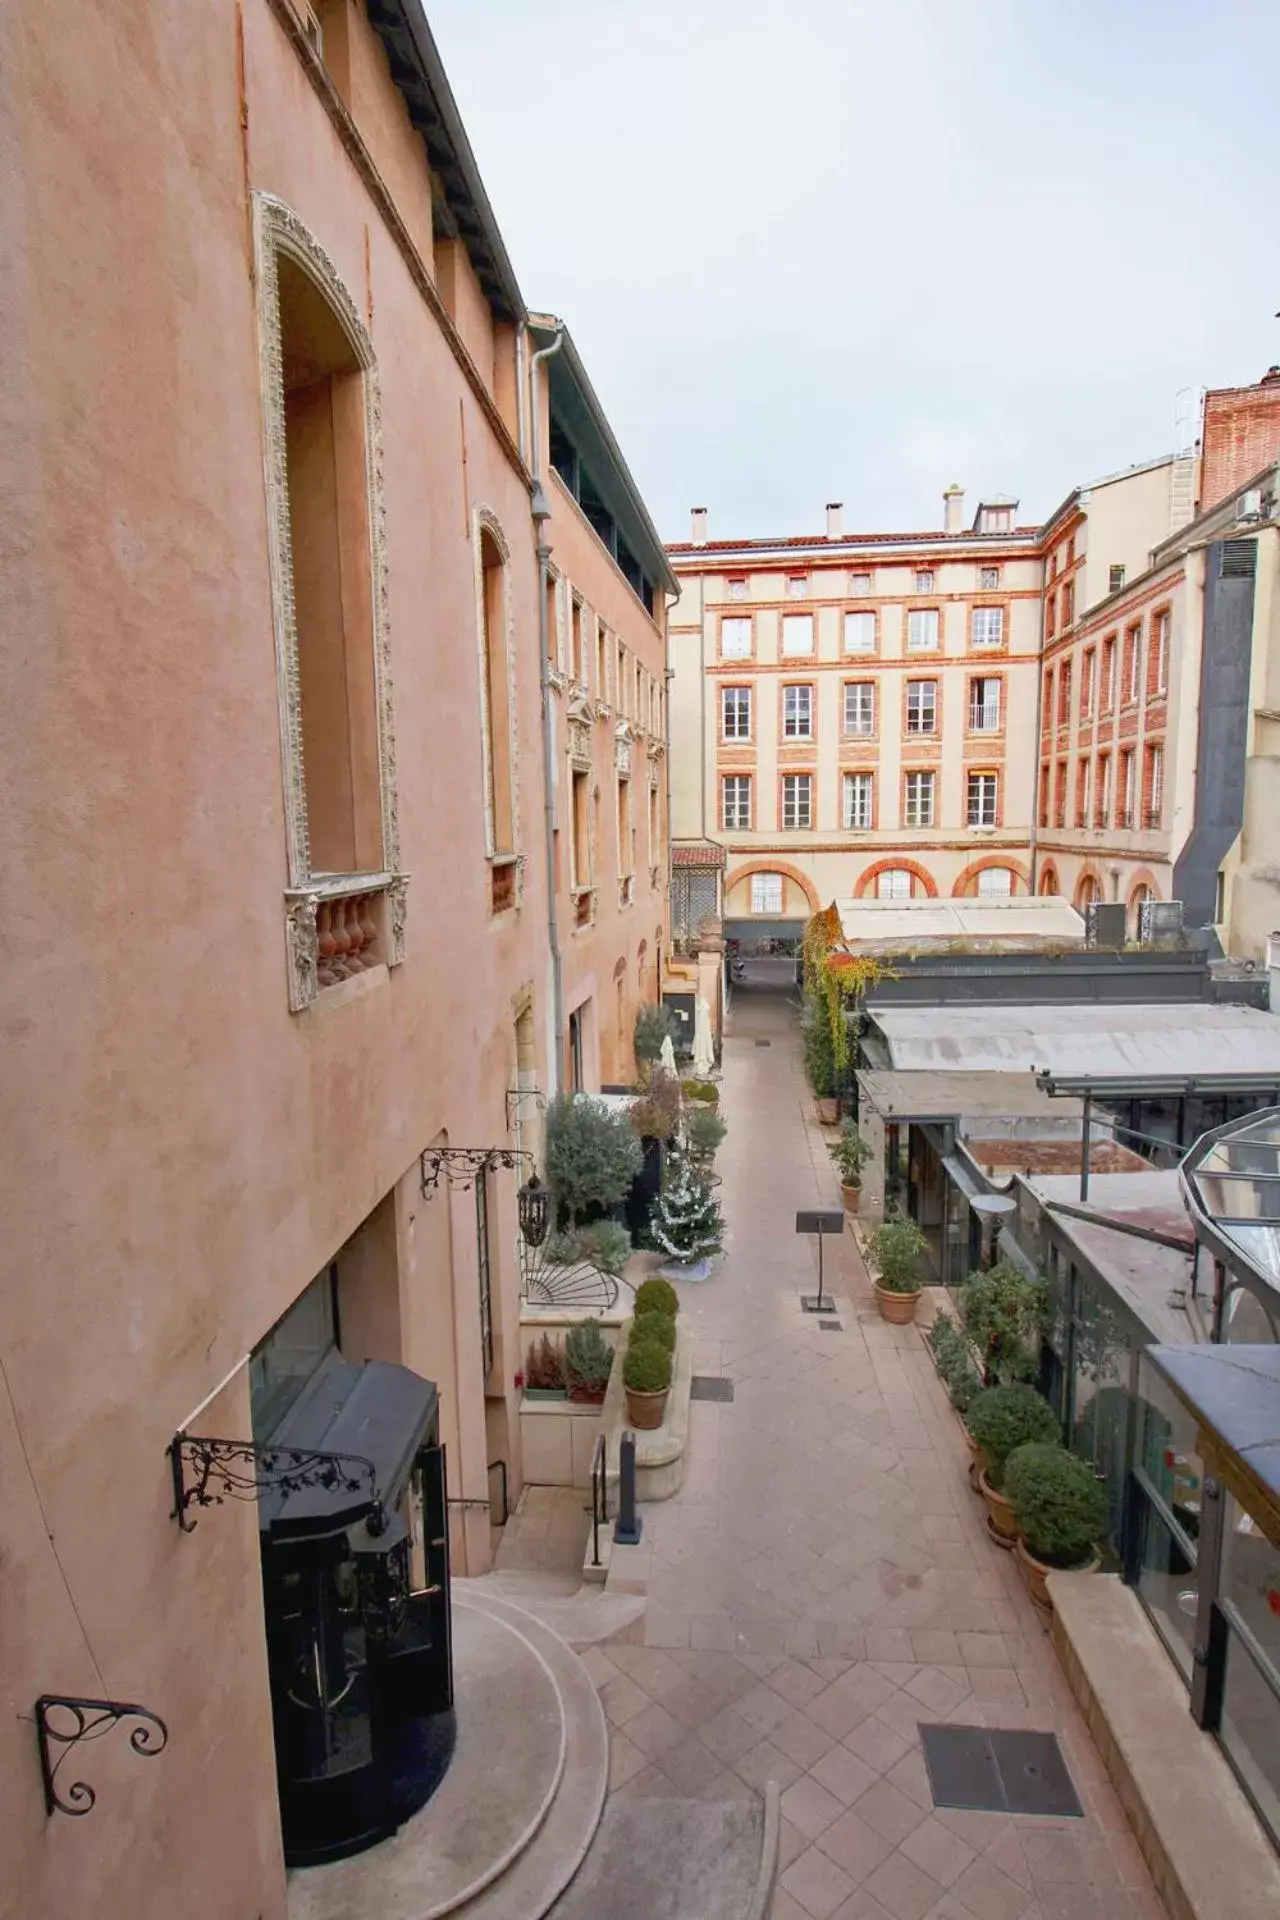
(580, 1614)
(667, 1859)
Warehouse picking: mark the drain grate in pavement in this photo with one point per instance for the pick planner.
(830, 1326)
(988, 1770)
(709, 1386)
(764, 1043)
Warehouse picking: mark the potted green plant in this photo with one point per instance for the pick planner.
(605, 1245)
(953, 1358)
(588, 1362)
(544, 1371)
(1061, 1510)
(897, 1247)
(646, 1378)
(656, 1114)
(657, 1296)
(654, 1326)
(593, 1155)
(851, 1153)
(702, 1093)
(1004, 1312)
(1002, 1419)
(703, 1132)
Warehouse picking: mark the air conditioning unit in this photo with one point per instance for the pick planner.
(1250, 507)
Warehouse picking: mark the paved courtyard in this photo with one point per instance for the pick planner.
(823, 1583)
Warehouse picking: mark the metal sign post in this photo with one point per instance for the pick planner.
(821, 1221)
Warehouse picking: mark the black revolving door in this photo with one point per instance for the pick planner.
(356, 1595)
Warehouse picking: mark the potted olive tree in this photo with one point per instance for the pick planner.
(1002, 1419)
(851, 1153)
(897, 1248)
(1060, 1507)
(593, 1155)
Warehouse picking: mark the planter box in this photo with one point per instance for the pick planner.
(546, 1393)
(557, 1441)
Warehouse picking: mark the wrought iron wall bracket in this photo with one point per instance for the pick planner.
(461, 1167)
(516, 1099)
(242, 1470)
(64, 1721)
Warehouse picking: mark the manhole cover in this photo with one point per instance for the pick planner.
(830, 1326)
(764, 1043)
(987, 1770)
(709, 1386)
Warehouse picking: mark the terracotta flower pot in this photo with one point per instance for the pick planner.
(828, 1112)
(852, 1197)
(899, 1309)
(1036, 1572)
(977, 1462)
(1000, 1521)
(645, 1410)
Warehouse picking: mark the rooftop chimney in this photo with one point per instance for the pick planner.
(835, 519)
(699, 534)
(953, 509)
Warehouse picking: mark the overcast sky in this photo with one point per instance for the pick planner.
(829, 249)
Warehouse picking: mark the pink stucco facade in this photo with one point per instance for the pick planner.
(183, 1151)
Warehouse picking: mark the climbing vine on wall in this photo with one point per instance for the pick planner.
(839, 979)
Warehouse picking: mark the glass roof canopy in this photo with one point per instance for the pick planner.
(1231, 1181)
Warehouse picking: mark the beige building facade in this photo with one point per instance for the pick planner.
(289, 774)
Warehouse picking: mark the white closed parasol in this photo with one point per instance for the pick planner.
(704, 1054)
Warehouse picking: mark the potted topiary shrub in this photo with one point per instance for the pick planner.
(1000, 1420)
(588, 1362)
(1004, 1313)
(703, 1132)
(657, 1296)
(544, 1371)
(851, 1153)
(646, 1377)
(896, 1248)
(654, 1326)
(1061, 1511)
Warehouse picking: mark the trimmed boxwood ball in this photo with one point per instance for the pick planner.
(653, 1326)
(1059, 1503)
(1002, 1418)
(646, 1367)
(657, 1296)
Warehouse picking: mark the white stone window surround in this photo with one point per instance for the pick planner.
(277, 230)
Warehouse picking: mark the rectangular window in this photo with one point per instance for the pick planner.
(1064, 694)
(737, 588)
(735, 808)
(1102, 816)
(1158, 664)
(1044, 793)
(859, 706)
(895, 883)
(922, 629)
(1132, 664)
(859, 583)
(1108, 700)
(918, 789)
(735, 712)
(292, 1352)
(988, 578)
(1082, 793)
(797, 586)
(857, 800)
(1051, 616)
(1060, 795)
(982, 800)
(995, 883)
(1087, 675)
(1048, 698)
(602, 657)
(581, 846)
(577, 646)
(797, 713)
(986, 628)
(1153, 785)
(484, 1272)
(797, 633)
(1115, 579)
(735, 637)
(984, 706)
(1068, 602)
(922, 706)
(1127, 816)
(797, 800)
(626, 831)
(766, 893)
(859, 633)
(924, 580)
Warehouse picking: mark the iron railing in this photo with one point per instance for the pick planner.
(599, 1497)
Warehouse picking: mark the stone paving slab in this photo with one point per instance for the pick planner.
(823, 1583)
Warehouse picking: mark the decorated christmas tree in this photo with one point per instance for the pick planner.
(686, 1223)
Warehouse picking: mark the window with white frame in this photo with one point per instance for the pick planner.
(983, 799)
(766, 893)
(895, 883)
(859, 583)
(860, 706)
(1128, 787)
(922, 706)
(797, 633)
(797, 713)
(859, 633)
(986, 627)
(735, 637)
(924, 579)
(922, 629)
(797, 586)
(984, 705)
(797, 800)
(918, 790)
(995, 883)
(1160, 648)
(856, 799)
(735, 712)
(735, 802)
(737, 589)
(988, 578)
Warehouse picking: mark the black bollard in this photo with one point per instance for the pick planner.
(627, 1531)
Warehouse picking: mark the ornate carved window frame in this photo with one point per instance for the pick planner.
(484, 520)
(277, 230)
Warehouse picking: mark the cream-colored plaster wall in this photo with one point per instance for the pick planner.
(1126, 518)
(1251, 887)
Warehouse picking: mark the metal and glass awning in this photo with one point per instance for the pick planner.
(1231, 1180)
(1157, 1086)
(1234, 1395)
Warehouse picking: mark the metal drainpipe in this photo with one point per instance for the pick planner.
(1032, 843)
(540, 513)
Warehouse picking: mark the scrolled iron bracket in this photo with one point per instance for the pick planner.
(516, 1099)
(461, 1167)
(242, 1470)
(87, 1720)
